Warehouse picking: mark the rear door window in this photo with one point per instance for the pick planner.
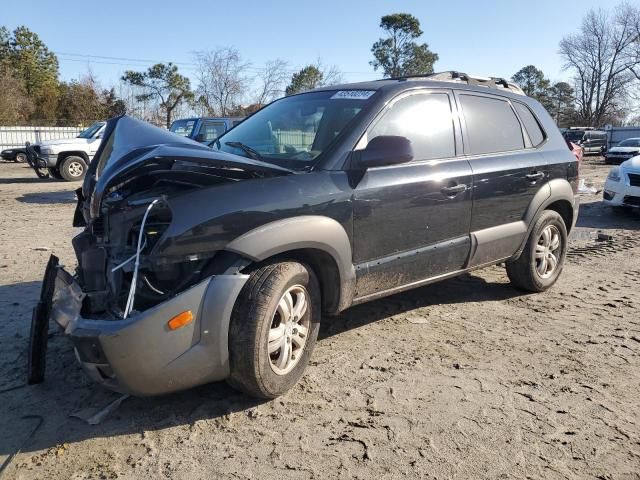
(426, 120)
(492, 125)
(531, 125)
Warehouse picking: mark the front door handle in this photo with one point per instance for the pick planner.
(453, 190)
(534, 177)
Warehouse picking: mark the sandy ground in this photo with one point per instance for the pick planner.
(464, 379)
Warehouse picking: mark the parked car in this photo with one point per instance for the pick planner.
(67, 158)
(622, 188)
(204, 129)
(577, 150)
(14, 154)
(591, 141)
(623, 151)
(199, 264)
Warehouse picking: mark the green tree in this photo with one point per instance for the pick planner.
(79, 103)
(534, 84)
(306, 79)
(163, 83)
(399, 54)
(562, 104)
(37, 67)
(15, 106)
(112, 105)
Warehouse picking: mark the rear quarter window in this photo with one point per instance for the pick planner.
(531, 125)
(492, 125)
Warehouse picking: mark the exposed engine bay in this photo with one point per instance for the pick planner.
(126, 260)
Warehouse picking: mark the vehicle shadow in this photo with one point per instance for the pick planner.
(34, 179)
(55, 197)
(66, 390)
(596, 215)
(462, 289)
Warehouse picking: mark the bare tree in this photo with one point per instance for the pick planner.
(222, 80)
(598, 55)
(271, 81)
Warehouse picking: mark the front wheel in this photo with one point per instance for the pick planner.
(273, 330)
(73, 168)
(542, 259)
(21, 157)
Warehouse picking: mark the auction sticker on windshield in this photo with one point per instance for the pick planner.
(353, 95)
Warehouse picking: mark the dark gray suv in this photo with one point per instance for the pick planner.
(199, 264)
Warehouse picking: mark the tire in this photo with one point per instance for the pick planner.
(21, 157)
(73, 168)
(54, 173)
(525, 272)
(259, 315)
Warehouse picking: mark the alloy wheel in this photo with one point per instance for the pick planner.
(289, 330)
(548, 251)
(76, 169)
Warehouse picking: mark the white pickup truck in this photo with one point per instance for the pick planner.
(68, 158)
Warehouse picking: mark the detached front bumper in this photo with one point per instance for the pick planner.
(140, 355)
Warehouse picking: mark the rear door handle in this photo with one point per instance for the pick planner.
(534, 176)
(453, 190)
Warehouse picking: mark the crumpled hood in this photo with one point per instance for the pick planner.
(132, 148)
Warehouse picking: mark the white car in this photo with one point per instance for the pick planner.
(623, 151)
(622, 188)
(68, 158)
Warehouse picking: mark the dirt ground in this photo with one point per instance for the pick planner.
(468, 378)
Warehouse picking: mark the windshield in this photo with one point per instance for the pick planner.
(183, 128)
(294, 131)
(630, 142)
(574, 135)
(91, 131)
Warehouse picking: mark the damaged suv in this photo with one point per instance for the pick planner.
(199, 264)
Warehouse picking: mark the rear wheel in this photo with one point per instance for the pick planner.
(542, 259)
(21, 157)
(73, 168)
(273, 329)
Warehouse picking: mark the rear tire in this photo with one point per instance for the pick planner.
(273, 330)
(73, 168)
(543, 257)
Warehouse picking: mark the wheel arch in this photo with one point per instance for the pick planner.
(318, 241)
(556, 195)
(63, 155)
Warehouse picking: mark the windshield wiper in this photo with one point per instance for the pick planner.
(246, 148)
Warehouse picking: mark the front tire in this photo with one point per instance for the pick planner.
(273, 330)
(543, 257)
(21, 157)
(73, 168)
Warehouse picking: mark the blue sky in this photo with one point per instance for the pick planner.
(469, 36)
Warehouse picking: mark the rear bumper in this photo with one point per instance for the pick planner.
(140, 355)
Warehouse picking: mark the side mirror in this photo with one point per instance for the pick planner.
(383, 150)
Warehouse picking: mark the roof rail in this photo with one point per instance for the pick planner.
(459, 77)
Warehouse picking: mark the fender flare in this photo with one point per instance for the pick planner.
(551, 192)
(302, 232)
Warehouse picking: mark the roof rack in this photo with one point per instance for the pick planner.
(459, 77)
